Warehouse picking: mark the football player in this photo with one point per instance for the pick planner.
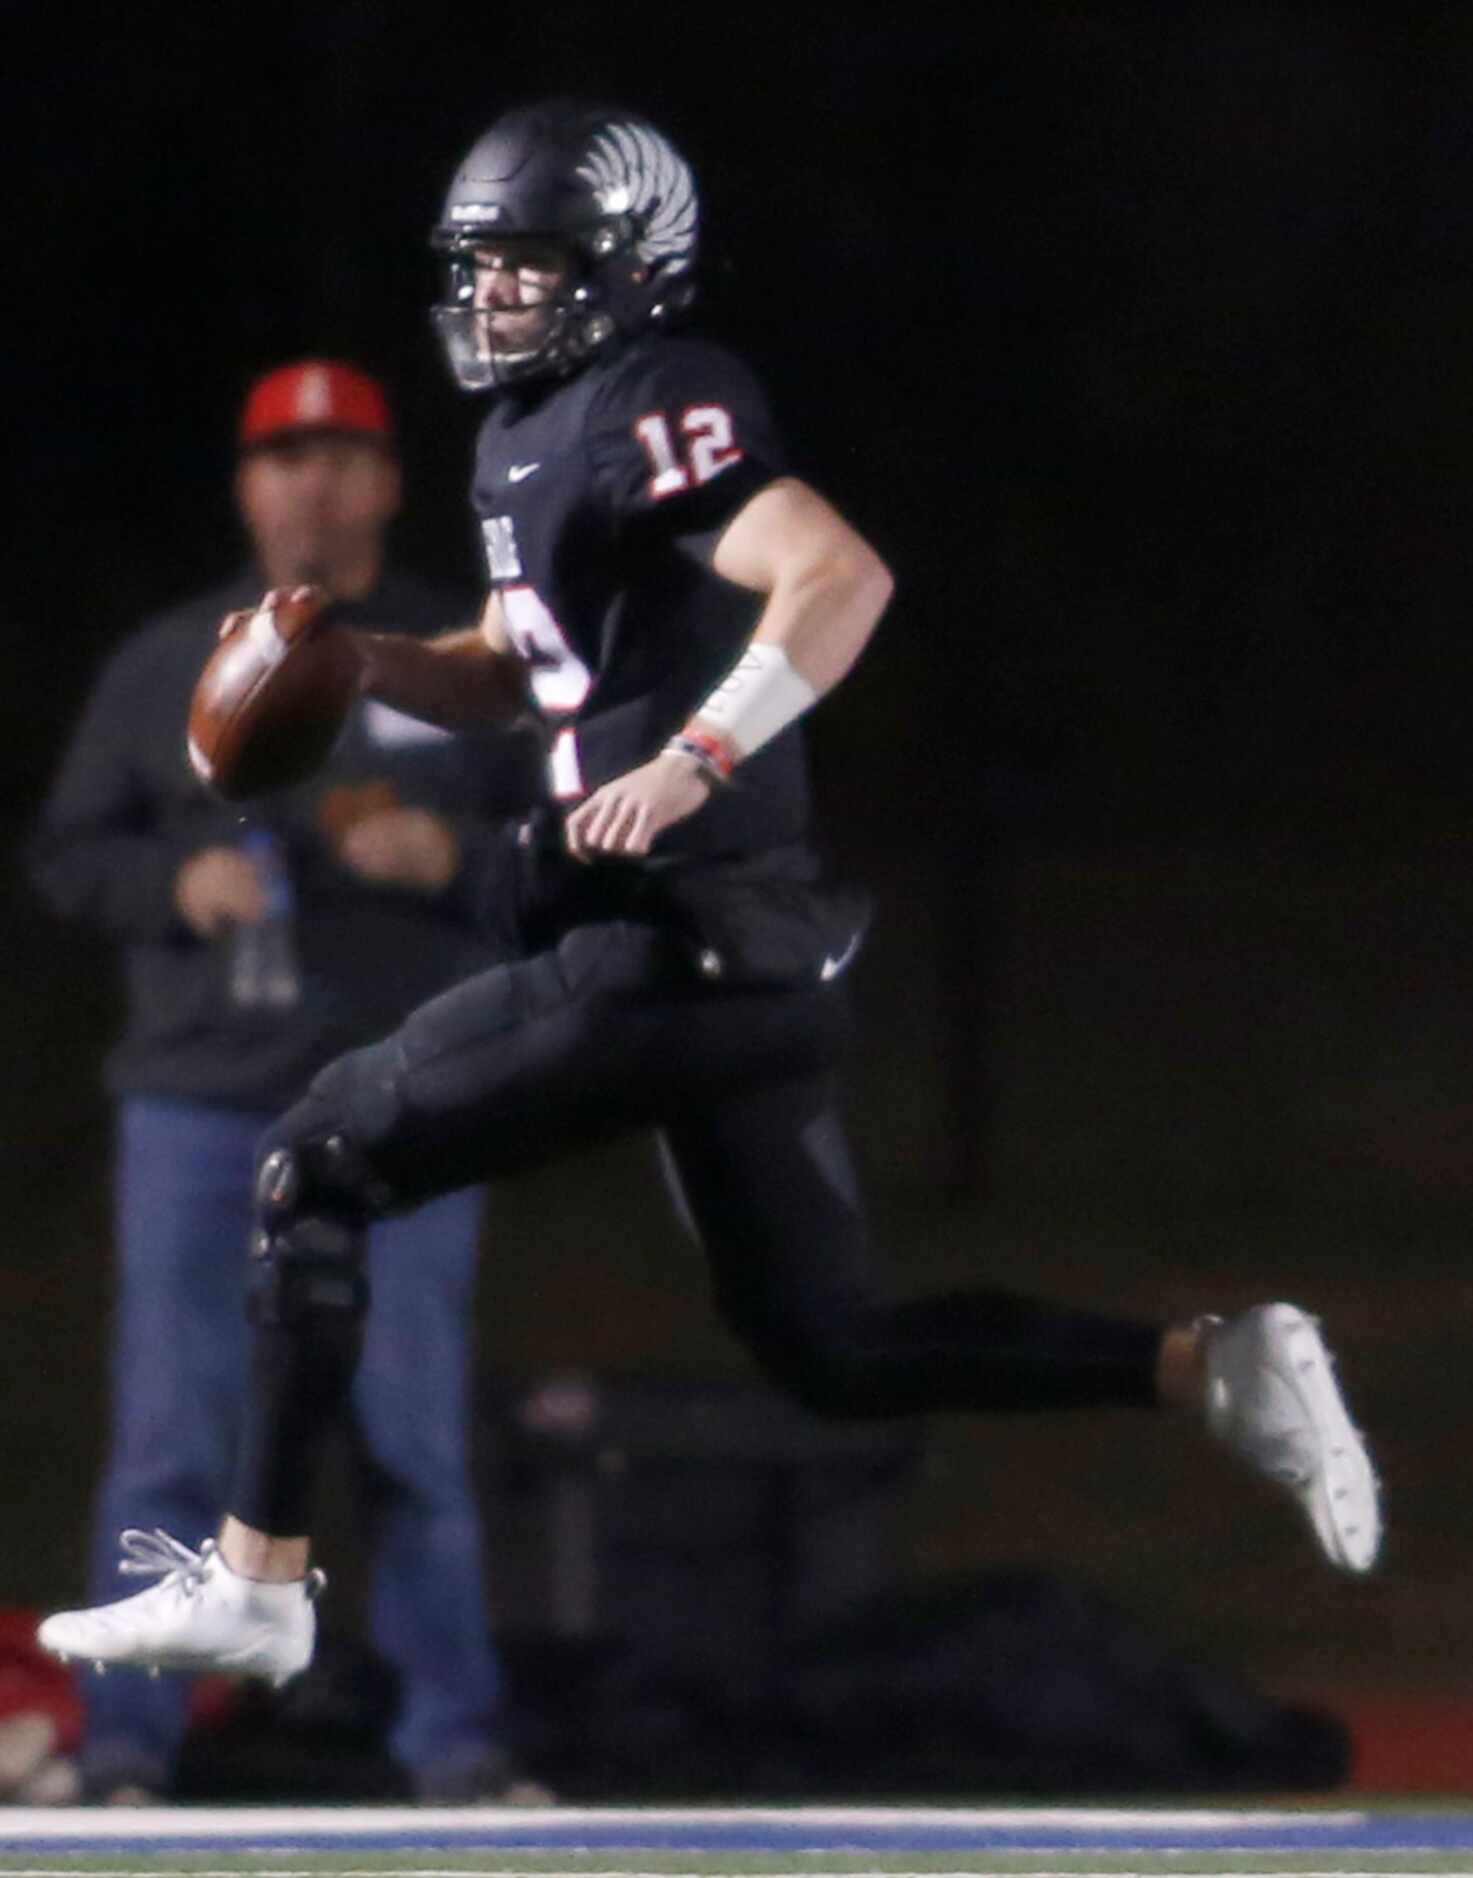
(671, 600)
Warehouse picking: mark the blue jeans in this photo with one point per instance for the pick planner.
(183, 1207)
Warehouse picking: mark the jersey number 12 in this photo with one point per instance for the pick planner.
(706, 447)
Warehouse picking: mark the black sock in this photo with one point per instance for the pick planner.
(301, 1373)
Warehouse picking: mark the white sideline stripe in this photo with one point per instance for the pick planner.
(57, 1825)
(623, 1871)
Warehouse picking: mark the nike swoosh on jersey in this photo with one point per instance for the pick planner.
(519, 472)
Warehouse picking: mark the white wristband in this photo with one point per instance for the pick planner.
(760, 696)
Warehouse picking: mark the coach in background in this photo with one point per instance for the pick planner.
(256, 949)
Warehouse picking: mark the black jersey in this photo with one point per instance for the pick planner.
(600, 500)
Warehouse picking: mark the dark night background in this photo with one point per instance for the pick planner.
(1138, 339)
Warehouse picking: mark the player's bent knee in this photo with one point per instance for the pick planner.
(314, 1165)
(309, 1246)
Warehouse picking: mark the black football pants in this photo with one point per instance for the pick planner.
(611, 1031)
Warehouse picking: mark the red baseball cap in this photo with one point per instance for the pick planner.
(314, 394)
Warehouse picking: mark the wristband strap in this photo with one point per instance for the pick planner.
(713, 755)
(761, 695)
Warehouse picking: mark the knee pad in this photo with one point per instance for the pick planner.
(313, 1202)
(319, 1170)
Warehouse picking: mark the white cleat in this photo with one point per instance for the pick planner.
(199, 1616)
(1273, 1398)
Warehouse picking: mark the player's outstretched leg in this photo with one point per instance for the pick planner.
(1272, 1397)
(199, 1616)
(766, 1182)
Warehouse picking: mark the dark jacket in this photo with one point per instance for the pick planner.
(125, 812)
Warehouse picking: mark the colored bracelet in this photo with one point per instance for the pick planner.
(711, 753)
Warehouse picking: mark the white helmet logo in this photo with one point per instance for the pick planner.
(631, 170)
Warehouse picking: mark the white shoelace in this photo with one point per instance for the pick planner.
(160, 1555)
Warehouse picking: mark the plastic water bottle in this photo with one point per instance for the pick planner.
(264, 974)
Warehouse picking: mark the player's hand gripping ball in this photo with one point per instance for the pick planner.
(273, 697)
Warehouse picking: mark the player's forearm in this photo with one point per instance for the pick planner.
(456, 680)
(822, 614)
(824, 589)
(817, 619)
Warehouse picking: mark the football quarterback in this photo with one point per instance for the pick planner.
(670, 600)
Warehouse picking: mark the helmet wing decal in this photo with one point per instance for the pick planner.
(633, 171)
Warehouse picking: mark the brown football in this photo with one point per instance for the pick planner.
(270, 702)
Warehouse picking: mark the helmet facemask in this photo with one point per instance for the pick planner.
(538, 327)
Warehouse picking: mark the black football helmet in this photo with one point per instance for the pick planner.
(611, 192)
